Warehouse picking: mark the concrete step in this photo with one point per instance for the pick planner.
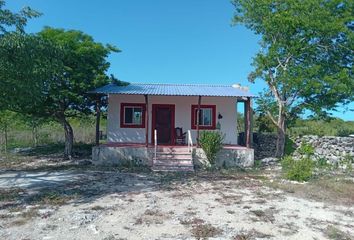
(173, 168)
(173, 156)
(172, 163)
(172, 149)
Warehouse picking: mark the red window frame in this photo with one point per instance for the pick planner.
(122, 107)
(213, 116)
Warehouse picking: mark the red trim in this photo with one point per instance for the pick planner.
(154, 108)
(122, 124)
(213, 115)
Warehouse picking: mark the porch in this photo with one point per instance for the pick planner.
(169, 157)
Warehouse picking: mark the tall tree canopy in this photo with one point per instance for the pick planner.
(306, 57)
(17, 51)
(10, 21)
(83, 66)
(48, 75)
(26, 64)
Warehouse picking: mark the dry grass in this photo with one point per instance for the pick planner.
(205, 231)
(97, 208)
(266, 216)
(25, 217)
(334, 190)
(229, 199)
(193, 221)
(151, 217)
(253, 234)
(10, 194)
(53, 198)
(334, 233)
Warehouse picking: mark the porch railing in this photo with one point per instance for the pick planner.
(155, 143)
(190, 142)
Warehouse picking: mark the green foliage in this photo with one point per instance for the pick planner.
(26, 63)
(331, 127)
(322, 163)
(306, 55)
(264, 124)
(297, 170)
(83, 69)
(347, 163)
(306, 150)
(20, 131)
(211, 142)
(10, 20)
(289, 146)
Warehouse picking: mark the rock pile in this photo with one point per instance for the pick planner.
(330, 148)
(264, 145)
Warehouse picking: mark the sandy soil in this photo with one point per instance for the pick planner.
(111, 205)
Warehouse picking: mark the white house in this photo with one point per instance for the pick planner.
(154, 117)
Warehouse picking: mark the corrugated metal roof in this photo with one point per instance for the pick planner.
(176, 90)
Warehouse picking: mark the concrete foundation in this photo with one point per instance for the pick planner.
(111, 155)
(227, 158)
(105, 155)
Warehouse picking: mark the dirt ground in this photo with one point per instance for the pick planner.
(97, 204)
(46, 198)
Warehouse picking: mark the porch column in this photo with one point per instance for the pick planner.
(248, 124)
(146, 120)
(98, 118)
(198, 120)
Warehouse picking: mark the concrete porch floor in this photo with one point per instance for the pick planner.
(142, 145)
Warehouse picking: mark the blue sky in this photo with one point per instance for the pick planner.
(162, 41)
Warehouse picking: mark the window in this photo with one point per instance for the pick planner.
(132, 115)
(206, 116)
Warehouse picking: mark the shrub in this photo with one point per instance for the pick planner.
(211, 142)
(346, 163)
(297, 170)
(306, 149)
(322, 163)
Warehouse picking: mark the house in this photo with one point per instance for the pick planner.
(159, 124)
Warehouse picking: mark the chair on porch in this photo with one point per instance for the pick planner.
(180, 136)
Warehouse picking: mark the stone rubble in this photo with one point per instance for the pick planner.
(331, 148)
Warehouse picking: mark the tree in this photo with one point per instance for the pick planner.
(83, 68)
(10, 21)
(306, 57)
(34, 123)
(6, 122)
(15, 54)
(26, 64)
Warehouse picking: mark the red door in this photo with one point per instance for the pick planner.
(163, 119)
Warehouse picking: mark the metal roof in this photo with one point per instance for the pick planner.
(176, 90)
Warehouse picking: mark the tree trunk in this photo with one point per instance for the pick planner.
(34, 136)
(281, 134)
(69, 139)
(5, 138)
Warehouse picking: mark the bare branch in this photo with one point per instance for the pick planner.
(272, 118)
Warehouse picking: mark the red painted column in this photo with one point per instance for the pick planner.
(98, 118)
(198, 120)
(146, 120)
(248, 119)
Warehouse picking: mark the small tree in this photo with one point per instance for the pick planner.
(7, 121)
(306, 56)
(211, 142)
(34, 123)
(83, 68)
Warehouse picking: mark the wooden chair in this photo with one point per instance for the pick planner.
(180, 136)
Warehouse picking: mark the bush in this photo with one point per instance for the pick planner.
(306, 150)
(297, 170)
(346, 163)
(211, 142)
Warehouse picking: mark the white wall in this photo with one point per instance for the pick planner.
(226, 106)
